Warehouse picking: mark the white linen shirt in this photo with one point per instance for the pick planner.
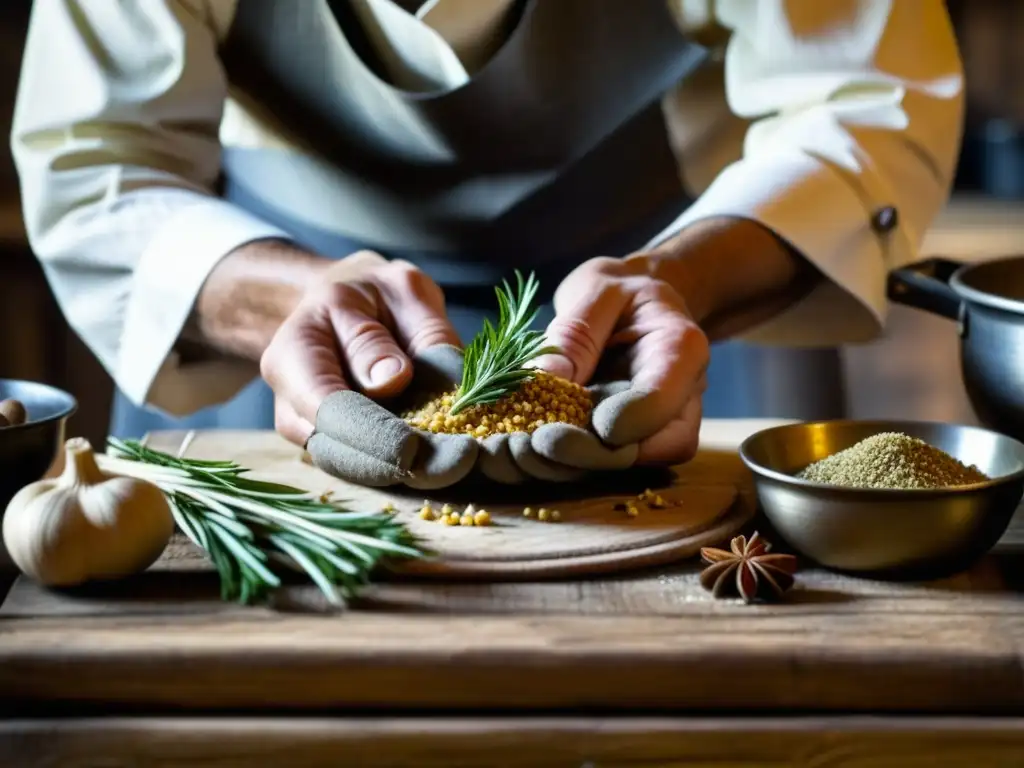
(818, 113)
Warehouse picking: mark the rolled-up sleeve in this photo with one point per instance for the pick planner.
(115, 140)
(855, 105)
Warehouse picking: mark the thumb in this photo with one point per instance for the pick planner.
(580, 332)
(370, 353)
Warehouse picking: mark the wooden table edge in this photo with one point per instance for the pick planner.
(535, 742)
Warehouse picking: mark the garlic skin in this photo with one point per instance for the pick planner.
(86, 525)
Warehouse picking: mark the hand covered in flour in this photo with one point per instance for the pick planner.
(612, 309)
(358, 330)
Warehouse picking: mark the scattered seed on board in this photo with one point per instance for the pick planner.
(482, 517)
(427, 513)
(527, 511)
(446, 509)
(466, 519)
(631, 510)
(543, 514)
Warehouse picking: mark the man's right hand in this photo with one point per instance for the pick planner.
(358, 329)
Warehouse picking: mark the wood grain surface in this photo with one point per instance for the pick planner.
(593, 536)
(461, 742)
(649, 641)
(638, 642)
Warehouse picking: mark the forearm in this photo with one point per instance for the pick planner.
(248, 295)
(733, 273)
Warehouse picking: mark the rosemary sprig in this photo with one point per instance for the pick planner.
(250, 527)
(494, 363)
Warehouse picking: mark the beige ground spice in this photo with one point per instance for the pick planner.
(892, 460)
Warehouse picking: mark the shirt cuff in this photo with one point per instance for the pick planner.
(169, 275)
(816, 210)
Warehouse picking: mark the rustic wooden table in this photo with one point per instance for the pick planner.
(637, 670)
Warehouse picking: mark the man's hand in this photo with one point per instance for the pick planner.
(606, 303)
(358, 328)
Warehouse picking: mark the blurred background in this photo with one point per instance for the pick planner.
(912, 373)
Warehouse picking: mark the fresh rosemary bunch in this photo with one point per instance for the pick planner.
(251, 528)
(494, 363)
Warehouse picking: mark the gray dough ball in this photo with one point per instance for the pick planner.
(356, 420)
(627, 417)
(436, 369)
(442, 460)
(604, 390)
(495, 461)
(576, 447)
(346, 463)
(537, 466)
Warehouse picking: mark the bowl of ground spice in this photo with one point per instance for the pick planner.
(887, 498)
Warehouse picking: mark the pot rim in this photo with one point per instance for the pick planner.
(982, 298)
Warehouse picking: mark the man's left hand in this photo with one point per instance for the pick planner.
(608, 303)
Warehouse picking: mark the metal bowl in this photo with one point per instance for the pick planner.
(986, 301)
(886, 533)
(28, 450)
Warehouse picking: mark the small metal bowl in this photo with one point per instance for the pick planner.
(886, 533)
(28, 450)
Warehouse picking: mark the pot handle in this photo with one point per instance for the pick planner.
(925, 285)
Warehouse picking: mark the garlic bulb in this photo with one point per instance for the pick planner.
(85, 524)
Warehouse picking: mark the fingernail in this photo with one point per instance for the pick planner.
(384, 370)
(559, 365)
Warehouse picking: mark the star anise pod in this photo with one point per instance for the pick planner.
(747, 569)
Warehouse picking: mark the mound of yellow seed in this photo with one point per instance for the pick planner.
(544, 399)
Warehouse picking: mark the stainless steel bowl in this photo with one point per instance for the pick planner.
(986, 300)
(908, 533)
(28, 450)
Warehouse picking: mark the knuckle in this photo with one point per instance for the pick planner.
(354, 294)
(650, 289)
(361, 336)
(430, 332)
(402, 266)
(354, 266)
(366, 258)
(574, 332)
(604, 265)
(411, 280)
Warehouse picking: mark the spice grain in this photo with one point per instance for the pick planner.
(543, 399)
(892, 460)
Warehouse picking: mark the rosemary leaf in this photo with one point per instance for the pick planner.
(315, 573)
(494, 363)
(247, 526)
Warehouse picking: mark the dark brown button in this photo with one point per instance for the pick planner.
(885, 219)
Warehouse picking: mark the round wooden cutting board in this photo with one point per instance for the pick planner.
(594, 534)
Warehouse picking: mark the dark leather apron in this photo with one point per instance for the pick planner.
(553, 153)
